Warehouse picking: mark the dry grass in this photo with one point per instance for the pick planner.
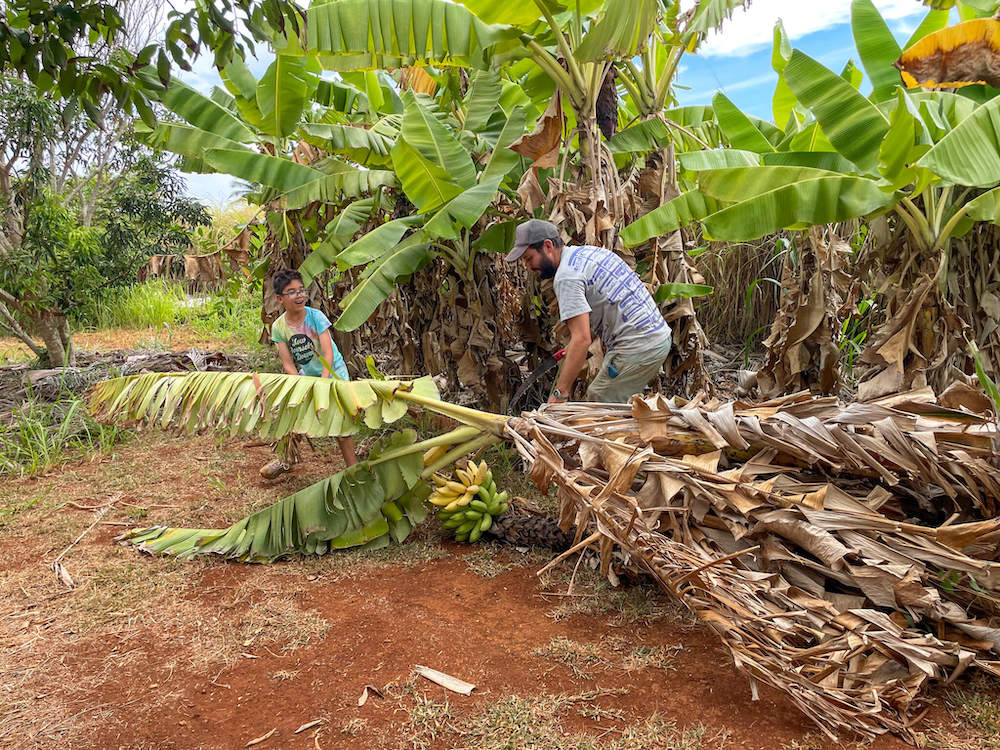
(581, 658)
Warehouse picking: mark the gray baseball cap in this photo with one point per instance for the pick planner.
(531, 232)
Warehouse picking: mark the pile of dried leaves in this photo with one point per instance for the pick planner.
(838, 550)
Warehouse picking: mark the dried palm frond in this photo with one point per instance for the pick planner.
(838, 551)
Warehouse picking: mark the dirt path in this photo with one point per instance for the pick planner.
(151, 653)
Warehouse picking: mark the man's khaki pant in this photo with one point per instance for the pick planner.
(635, 370)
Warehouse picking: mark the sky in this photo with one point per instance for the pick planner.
(736, 60)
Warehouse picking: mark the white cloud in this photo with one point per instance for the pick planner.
(751, 29)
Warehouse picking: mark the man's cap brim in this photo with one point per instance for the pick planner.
(516, 253)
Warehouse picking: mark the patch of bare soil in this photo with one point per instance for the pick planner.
(153, 653)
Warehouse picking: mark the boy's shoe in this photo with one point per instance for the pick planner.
(274, 469)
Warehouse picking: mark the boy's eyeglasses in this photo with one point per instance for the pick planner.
(294, 293)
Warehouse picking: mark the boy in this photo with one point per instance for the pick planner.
(300, 333)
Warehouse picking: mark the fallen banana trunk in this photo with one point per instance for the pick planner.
(840, 552)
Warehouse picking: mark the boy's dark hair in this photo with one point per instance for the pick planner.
(283, 278)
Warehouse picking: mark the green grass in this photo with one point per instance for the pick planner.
(232, 312)
(38, 435)
(151, 305)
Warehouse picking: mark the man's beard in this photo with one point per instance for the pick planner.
(547, 269)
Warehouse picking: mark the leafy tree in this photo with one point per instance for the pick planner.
(53, 269)
(73, 49)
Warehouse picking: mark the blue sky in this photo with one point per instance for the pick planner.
(737, 60)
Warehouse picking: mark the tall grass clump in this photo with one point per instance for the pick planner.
(150, 305)
(746, 277)
(38, 435)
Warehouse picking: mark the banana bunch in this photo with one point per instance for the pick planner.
(468, 506)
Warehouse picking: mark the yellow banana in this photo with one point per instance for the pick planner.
(453, 488)
(439, 480)
(464, 475)
(480, 472)
(439, 500)
(434, 454)
(465, 499)
(452, 505)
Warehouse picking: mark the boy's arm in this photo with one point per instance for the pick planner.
(286, 358)
(326, 347)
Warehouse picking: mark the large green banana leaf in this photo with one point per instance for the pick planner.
(423, 131)
(347, 181)
(238, 78)
(853, 124)
(201, 112)
(425, 183)
(364, 505)
(970, 153)
(719, 158)
(819, 200)
(672, 215)
(783, 101)
(366, 34)
(379, 280)
(282, 94)
(368, 146)
(737, 127)
(985, 207)
(339, 96)
(830, 161)
(935, 20)
(709, 14)
(374, 243)
(185, 140)
(621, 31)
(482, 99)
(877, 48)
(281, 174)
(338, 233)
(734, 184)
(269, 404)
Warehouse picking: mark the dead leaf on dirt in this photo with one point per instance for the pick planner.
(445, 680)
(309, 725)
(363, 699)
(262, 738)
(63, 575)
(542, 144)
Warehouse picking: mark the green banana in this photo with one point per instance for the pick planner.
(475, 534)
(478, 505)
(453, 523)
(465, 528)
(486, 522)
(462, 536)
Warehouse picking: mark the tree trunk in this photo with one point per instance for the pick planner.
(54, 330)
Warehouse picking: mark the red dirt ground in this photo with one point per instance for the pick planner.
(165, 672)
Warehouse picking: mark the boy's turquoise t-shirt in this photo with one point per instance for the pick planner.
(303, 342)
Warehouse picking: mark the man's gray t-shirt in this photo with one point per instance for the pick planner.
(622, 312)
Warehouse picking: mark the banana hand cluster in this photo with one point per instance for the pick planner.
(468, 506)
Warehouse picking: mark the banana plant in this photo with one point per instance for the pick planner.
(924, 160)
(370, 504)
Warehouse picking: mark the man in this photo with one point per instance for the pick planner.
(597, 291)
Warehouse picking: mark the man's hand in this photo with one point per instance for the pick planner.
(553, 399)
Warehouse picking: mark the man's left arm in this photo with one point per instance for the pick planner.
(576, 356)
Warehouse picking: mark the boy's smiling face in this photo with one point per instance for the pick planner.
(293, 297)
